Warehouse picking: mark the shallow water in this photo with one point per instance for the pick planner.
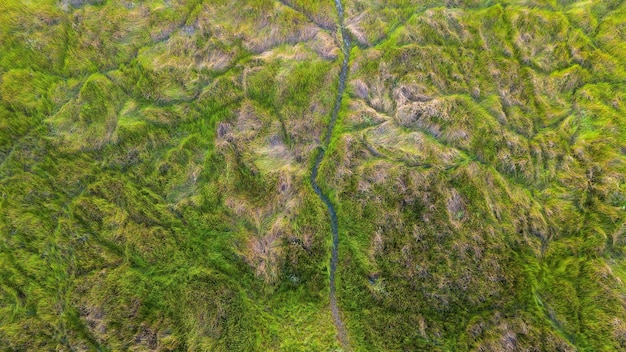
(343, 75)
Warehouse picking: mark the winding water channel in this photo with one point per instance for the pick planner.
(343, 75)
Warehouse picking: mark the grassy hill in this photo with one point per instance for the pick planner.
(155, 163)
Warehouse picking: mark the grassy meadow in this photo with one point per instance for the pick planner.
(155, 160)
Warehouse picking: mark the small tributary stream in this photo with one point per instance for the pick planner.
(343, 75)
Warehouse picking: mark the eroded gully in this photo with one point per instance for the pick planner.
(343, 74)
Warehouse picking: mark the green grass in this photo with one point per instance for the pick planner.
(155, 159)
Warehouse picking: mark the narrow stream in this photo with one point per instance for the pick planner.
(343, 75)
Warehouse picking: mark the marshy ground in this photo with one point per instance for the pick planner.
(156, 159)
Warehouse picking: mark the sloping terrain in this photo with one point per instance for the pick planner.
(156, 161)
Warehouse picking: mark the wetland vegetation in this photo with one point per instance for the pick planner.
(290, 175)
